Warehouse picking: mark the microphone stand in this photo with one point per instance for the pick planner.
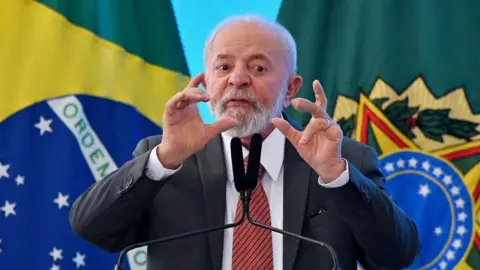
(246, 211)
(244, 185)
(243, 197)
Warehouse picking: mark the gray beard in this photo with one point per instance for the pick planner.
(254, 119)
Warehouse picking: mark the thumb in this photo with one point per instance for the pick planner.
(221, 125)
(291, 133)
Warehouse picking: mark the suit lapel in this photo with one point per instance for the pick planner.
(297, 177)
(213, 173)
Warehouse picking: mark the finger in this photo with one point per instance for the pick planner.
(183, 99)
(204, 83)
(314, 127)
(320, 98)
(197, 91)
(334, 132)
(305, 105)
(195, 81)
(221, 125)
(192, 98)
(291, 133)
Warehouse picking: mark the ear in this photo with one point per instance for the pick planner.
(294, 85)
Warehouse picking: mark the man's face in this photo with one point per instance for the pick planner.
(247, 76)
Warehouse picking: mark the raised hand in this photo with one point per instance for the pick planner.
(319, 144)
(184, 131)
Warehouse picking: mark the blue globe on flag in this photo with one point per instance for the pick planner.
(424, 186)
(51, 152)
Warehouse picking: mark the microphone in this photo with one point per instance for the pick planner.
(238, 167)
(252, 175)
(240, 184)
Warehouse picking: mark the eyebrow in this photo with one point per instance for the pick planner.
(260, 56)
(223, 56)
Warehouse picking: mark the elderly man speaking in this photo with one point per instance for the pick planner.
(314, 182)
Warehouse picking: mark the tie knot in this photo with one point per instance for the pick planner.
(261, 169)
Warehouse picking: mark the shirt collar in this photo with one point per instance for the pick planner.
(271, 156)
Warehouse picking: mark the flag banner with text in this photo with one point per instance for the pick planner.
(81, 82)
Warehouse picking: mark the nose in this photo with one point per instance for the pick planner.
(239, 78)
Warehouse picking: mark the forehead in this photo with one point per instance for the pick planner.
(250, 40)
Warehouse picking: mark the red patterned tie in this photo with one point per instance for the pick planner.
(252, 245)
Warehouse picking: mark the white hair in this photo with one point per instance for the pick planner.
(288, 43)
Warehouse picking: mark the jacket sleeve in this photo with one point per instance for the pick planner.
(112, 213)
(387, 238)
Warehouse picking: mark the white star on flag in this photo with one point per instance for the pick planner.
(4, 170)
(61, 200)
(389, 167)
(0, 243)
(412, 162)
(460, 203)
(461, 230)
(424, 190)
(79, 260)
(426, 165)
(450, 255)
(55, 267)
(44, 125)
(447, 179)
(20, 180)
(9, 208)
(56, 254)
(455, 190)
(457, 243)
(462, 216)
(437, 171)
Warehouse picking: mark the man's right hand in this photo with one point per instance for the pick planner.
(184, 131)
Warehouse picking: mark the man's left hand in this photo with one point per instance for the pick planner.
(319, 144)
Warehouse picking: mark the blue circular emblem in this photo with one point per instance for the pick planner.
(433, 194)
(51, 152)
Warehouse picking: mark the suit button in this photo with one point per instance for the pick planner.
(120, 189)
(125, 185)
(129, 182)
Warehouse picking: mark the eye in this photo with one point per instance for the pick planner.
(223, 67)
(260, 69)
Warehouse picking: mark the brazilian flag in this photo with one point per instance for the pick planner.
(403, 77)
(81, 82)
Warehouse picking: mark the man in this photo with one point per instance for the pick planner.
(314, 183)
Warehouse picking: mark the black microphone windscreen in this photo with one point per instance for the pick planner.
(238, 166)
(254, 160)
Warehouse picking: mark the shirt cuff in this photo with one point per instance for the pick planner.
(155, 170)
(340, 181)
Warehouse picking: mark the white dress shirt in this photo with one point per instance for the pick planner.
(272, 182)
